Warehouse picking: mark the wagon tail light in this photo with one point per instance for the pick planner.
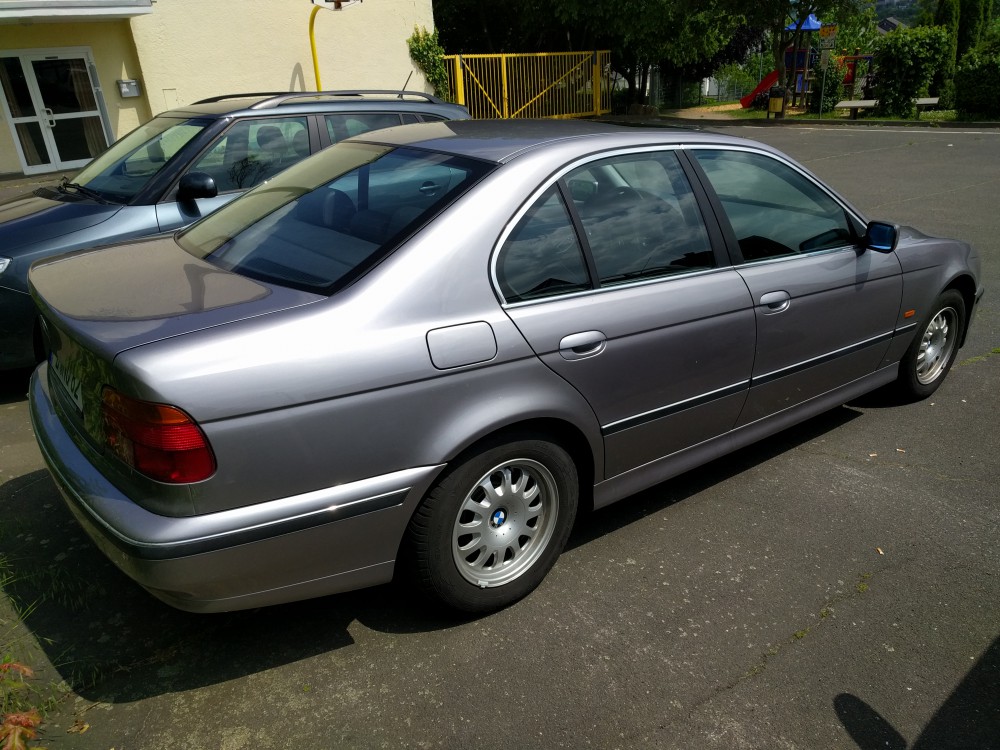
(157, 440)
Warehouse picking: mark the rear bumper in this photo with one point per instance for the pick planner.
(323, 542)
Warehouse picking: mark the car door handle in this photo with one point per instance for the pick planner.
(775, 302)
(582, 345)
(429, 188)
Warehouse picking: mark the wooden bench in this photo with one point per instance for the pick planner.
(855, 105)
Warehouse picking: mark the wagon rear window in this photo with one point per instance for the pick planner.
(305, 230)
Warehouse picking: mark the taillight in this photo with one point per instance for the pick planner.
(157, 440)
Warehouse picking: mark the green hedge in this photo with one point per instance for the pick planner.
(977, 85)
(831, 88)
(905, 61)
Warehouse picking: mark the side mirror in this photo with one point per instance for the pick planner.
(195, 185)
(881, 236)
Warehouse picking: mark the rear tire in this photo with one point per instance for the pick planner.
(492, 528)
(934, 348)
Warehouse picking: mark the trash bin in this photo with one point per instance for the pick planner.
(775, 100)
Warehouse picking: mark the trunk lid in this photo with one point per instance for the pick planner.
(100, 303)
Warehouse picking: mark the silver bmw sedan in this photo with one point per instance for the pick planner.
(421, 352)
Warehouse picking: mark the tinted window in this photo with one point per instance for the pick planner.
(542, 256)
(252, 151)
(774, 210)
(305, 230)
(640, 217)
(344, 126)
(125, 168)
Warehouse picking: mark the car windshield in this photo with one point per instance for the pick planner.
(124, 169)
(304, 230)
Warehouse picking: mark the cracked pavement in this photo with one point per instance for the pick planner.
(835, 586)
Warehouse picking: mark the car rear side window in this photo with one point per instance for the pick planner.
(252, 151)
(344, 126)
(640, 217)
(305, 230)
(774, 210)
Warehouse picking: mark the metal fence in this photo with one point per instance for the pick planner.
(544, 84)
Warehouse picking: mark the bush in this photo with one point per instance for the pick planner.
(426, 51)
(977, 85)
(828, 90)
(906, 60)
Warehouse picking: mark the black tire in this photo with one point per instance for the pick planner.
(934, 347)
(485, 557)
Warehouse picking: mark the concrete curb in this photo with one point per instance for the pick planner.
(688, 122)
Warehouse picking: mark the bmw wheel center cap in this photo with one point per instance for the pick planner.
(499, 518)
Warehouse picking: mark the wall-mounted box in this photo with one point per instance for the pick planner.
(128, 88)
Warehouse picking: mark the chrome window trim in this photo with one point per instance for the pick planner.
(537, 193)
(615, 287)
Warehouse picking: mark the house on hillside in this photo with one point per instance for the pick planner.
(77, 75)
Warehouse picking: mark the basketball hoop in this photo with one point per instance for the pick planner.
(336, 4)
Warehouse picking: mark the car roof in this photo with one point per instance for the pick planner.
(296, 102)
(499, 141)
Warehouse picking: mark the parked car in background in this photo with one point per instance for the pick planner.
(175, 169)
(422, 351)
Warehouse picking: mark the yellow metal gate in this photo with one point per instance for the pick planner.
(544, 84)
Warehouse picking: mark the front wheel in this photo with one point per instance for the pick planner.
(933, 351)
(488, 533)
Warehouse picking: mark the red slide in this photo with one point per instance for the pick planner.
(768, 82)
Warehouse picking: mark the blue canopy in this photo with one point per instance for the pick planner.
(811, 24)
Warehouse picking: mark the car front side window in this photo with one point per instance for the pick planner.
(774, 210)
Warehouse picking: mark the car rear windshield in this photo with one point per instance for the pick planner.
(128, 165)
(304, 230)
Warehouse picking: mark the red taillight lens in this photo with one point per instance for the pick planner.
(158, 440)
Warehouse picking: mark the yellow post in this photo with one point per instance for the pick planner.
(312, 44)
(503, 82)
(459, 81)
(595, 84)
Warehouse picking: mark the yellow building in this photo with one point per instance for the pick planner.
(77, 75)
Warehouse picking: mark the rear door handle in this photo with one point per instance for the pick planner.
(582, 345)
(775, 302)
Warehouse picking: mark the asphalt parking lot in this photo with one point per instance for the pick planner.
(835, 586)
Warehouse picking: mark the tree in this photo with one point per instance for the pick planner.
(639, 33)
(948, 18)
(973, 18)
(778, 15)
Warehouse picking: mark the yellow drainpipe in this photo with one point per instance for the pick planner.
(312, 44)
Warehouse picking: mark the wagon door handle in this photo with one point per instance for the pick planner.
(775, 302)
(582, 345)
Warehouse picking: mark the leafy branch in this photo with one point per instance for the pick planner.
(426, 51)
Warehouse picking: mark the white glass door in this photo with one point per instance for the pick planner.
(51, 104)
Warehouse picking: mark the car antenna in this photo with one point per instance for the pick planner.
(404, 85)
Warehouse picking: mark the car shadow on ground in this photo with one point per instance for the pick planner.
(969, 718)
(113, 642)
(697, 480)
(14, 386)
